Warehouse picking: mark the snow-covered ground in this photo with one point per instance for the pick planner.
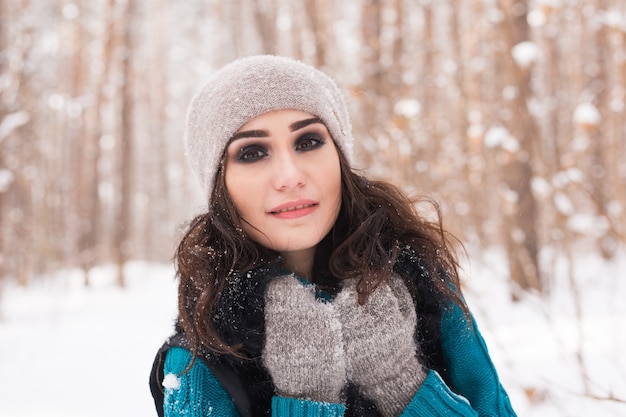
(71, 351)
(542, 347)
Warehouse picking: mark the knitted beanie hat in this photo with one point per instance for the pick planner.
(249, 87)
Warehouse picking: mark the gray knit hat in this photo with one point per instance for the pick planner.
(249, 87)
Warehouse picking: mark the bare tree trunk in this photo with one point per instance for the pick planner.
(471, 205)
(83, 148)
(393, 91)
(231, 12)
(17, 202)
(265, 17)
(6, 181)
(317, 13)
(617, 146)
(372, 78)
(427, 89)
(156, 216)
(520, 232)
(600, 180)
(297, 16)
(123, 227)
(89, 241)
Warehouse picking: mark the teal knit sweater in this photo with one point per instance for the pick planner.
(197, 393)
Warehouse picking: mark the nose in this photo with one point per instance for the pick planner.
(287, 171)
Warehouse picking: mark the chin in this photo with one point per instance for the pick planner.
(294, 245)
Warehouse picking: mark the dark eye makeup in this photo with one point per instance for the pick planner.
(309, 141)
(255, 151)
(251, 153)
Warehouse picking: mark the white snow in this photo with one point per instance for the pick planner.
(535, 342)
(171, 381)
(568, 176)
(67, 350)
(70, 11)
(408, 107)
(12, 121)
(614, 19)
(6, 179)
(541, 188)
(536, 18)
(563, 203)
(554, 4)
(71, 351)
(588, 224)
(499, 136)
(525, 53)
(587, 114)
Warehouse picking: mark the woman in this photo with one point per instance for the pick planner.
(306, 289)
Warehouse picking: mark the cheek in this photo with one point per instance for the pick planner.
(238, 188)
(247, 192)
(332, 182)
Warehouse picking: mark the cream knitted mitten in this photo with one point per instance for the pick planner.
(303, 345)
(379, 344)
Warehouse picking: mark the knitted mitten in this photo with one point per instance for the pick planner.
(303, 346)
(380, 348)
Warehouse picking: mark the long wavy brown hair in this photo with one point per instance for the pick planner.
(377, 222)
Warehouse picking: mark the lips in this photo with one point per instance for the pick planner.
(299, 207)
(294, 209)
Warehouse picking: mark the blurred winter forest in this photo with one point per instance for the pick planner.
(511, 112)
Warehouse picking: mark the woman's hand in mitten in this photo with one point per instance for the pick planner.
(303, 345)
(379, 343)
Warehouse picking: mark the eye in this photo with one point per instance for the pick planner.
(309, 141)
(251, 153)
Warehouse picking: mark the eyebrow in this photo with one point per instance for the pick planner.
(300, 124)
(304, 123)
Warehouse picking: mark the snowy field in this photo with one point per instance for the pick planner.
(71, 351)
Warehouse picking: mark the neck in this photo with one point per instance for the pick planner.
(300, 262)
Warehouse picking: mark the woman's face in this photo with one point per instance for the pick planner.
(283, 175)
